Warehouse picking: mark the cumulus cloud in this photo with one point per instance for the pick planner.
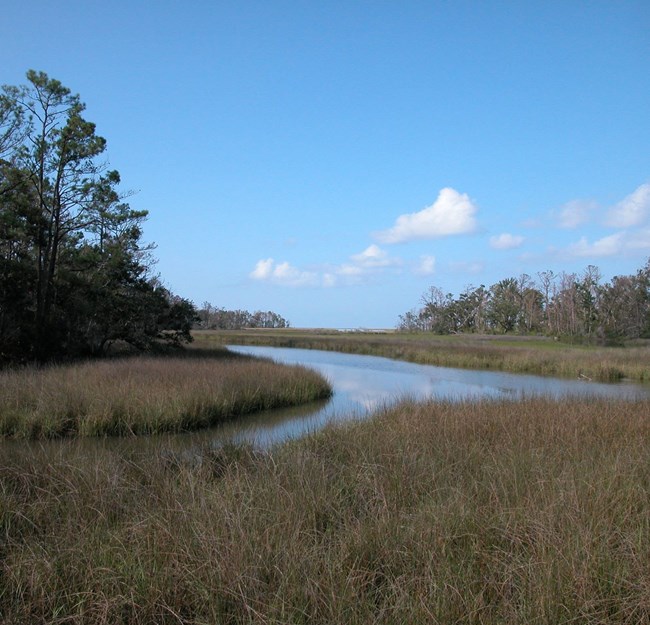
(282, 273)
(575, 213)
(263, 269)
(370, 262)
(632, 210)
(506, 241)
(451, 213)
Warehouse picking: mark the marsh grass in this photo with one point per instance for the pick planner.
(147, 395)
(486, 512)
(534, 355)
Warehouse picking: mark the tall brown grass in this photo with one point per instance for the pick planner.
(487, 512)
(147, 395)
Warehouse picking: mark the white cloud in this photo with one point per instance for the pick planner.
(370, 262)
(575, 213)
(263, 269)
(426, 266)
(632, 210)
(451, 213)
(607, 246)
(621, 243)
(506, 241)
(348, 270)
(283, 273)
(372, 256)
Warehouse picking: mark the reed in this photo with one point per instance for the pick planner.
(534, 355)
(487, 512)
(147, 395)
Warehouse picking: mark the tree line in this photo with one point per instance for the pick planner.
(75, 275)
(569, 305)
(210, 317)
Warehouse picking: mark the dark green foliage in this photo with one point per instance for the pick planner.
(505, 305)
(74, 275)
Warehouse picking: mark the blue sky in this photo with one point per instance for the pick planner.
(331, 160)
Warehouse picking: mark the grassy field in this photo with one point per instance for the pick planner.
(477, 513)
(535, 355)
(483, 512)
(196, 388)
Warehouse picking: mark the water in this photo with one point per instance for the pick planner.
(361, 385)
(364, 383)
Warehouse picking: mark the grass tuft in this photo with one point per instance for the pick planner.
(147, 395)
(477, 512)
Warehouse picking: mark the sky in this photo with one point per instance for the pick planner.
(331, 160)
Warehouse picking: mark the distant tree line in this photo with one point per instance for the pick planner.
(564, 305)
(210, 317)
(74, 274)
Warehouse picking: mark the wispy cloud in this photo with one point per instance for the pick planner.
(470, 267)
(632, 210)
(607, 246)
(639, 239)
(625, 217)
(506, 241)
(576, 213)
(426, 266)
(451, 213)
(373, 256)
(617, 244)
(371, 261)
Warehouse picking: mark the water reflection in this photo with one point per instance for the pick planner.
(361, 385)
(364, 383)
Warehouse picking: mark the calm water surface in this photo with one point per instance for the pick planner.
(364, 383)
